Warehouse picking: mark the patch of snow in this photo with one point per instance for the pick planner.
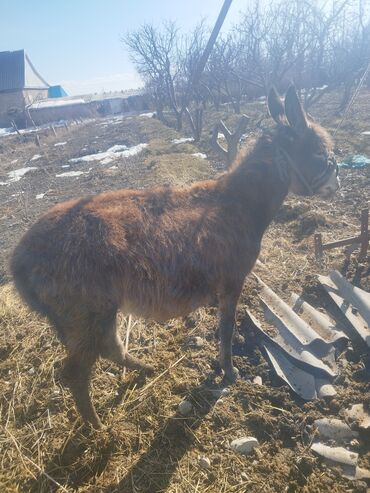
(40, 196)
(66, 165)
(132, 151)
(60, 144)
(17, 174)
(220, 136)
(2, 183)
(147, 115)
(35, 157)
(367, 132)
(182, 140)
(201, 155)
(113, 167)
(111, 154)
(6, 131)
(117, 148)
(71, 174)
(14, 161)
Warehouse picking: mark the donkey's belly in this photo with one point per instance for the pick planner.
(162, 309)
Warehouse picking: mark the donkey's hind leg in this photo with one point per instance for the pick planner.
(111, 348)
(77, 372)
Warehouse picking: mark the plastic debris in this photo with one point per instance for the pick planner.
(355, 161)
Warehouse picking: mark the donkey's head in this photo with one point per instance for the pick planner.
(303, 148)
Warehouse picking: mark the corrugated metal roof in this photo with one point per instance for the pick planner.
(17, 72)
(11, 70)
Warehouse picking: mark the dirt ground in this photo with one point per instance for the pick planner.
(146, 446)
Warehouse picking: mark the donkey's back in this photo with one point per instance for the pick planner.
(158, 254)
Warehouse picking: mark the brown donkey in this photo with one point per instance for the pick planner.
(164, 252)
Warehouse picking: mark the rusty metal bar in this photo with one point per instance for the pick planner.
(346, 241)
(318, 246)
(363, 239)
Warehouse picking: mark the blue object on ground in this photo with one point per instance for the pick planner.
(355, 161)
(56, 92)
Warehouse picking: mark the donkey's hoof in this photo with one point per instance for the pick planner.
(97, 424)
(147, 369)
(135, 364)
(231, 376)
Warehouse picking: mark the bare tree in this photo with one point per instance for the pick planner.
(154, 52)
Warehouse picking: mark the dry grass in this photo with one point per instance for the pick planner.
(146, 447)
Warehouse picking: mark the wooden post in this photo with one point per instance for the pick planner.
(16, 128)
(37, 140)
(364, 235)
(212, 40)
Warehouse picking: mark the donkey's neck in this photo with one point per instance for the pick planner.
(257, 184)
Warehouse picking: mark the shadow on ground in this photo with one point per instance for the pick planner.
(151, 473)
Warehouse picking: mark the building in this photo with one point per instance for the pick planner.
(27, 99)
(113, 103)
(20, 86)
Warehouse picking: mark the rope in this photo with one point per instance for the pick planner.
(354, 96)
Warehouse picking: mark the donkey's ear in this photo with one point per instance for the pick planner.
(294, 111)
(276, 107)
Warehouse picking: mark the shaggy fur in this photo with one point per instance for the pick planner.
(157, 253)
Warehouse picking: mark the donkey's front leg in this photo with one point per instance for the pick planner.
(227, 307)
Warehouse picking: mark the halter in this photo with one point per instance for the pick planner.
(284, 161)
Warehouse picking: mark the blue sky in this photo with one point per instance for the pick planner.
(77, 43)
